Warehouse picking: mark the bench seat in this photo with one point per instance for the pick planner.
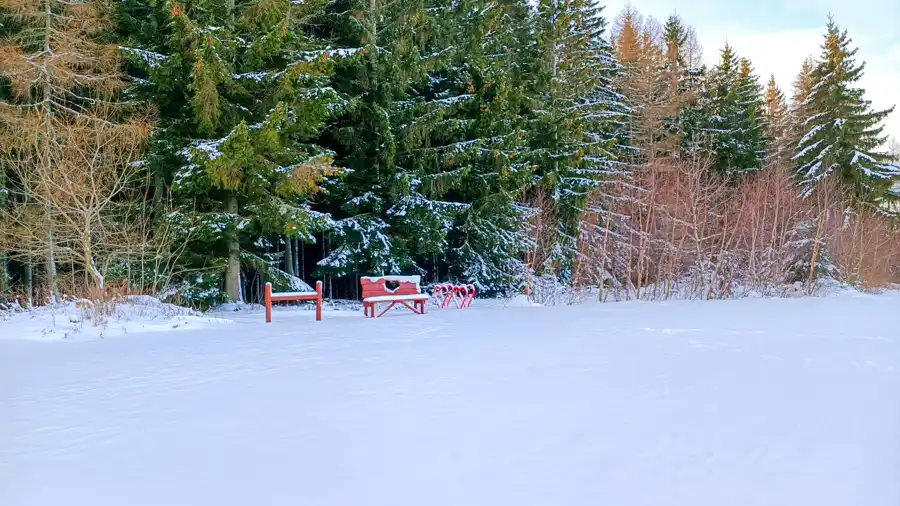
(404, 290)
(389, 298)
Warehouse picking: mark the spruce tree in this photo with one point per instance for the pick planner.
(675, 35)
(575, 105)
(684, 82)
(461, 146)
(243, 93)
(842, 135)
(380, 57)
(751, 121)
(734, 129)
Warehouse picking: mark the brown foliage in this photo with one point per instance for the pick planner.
(650, 83)
(682, 232)
(66, 140)
(79, 183)
(866, 250)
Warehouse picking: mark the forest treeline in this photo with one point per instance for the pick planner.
(195, 150)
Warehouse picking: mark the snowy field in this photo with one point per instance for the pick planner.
(792, 402)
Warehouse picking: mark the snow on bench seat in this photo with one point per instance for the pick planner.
(279, 295)
(388, 298)
(271, 297)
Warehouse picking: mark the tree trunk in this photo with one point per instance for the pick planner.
(4, 274)
(815, 254)
(301, 266)
(29, 285)
(297, 271)
(288, 256)
(89, 265)
(51, 266)
(233, 274)
(159, 189)
(4, 261)
(51, 253)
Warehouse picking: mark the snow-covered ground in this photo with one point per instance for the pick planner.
(749, 402)
(83, 319)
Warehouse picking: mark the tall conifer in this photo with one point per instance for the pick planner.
(575, 106)
(243, 93)
(842, 135)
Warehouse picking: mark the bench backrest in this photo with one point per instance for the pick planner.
(376, 286)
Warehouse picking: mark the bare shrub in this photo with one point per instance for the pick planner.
(866, 250)
(680, 231)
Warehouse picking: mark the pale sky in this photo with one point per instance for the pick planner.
(778, 34)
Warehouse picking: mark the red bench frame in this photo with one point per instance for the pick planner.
(374, 290)
(445, 293)
(287, 296)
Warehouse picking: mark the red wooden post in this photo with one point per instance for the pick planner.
(318, 301)
(268, 297)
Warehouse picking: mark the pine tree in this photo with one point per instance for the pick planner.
(733, 103)
(243, 94)
(575, 107)
(381, 43)
(779, 128)
(684, 80)
(751, 122)
(842, 134)
(461, 146)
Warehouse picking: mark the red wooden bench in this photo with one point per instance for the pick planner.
(393, 289)
(286, 296)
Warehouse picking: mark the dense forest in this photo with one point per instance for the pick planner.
(196, 149)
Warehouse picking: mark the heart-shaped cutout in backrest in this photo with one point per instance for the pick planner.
(391, 286)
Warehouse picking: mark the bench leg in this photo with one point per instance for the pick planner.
(418, 307)
(393, 303)
(415, 307)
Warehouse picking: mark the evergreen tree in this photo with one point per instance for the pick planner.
(575, 104)
(684, 81)
(842, 134)
(720, 109)
(733, 103)
(242, 91)
(751, 122)
(381, 43)
(462, 148)
(675, 35)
